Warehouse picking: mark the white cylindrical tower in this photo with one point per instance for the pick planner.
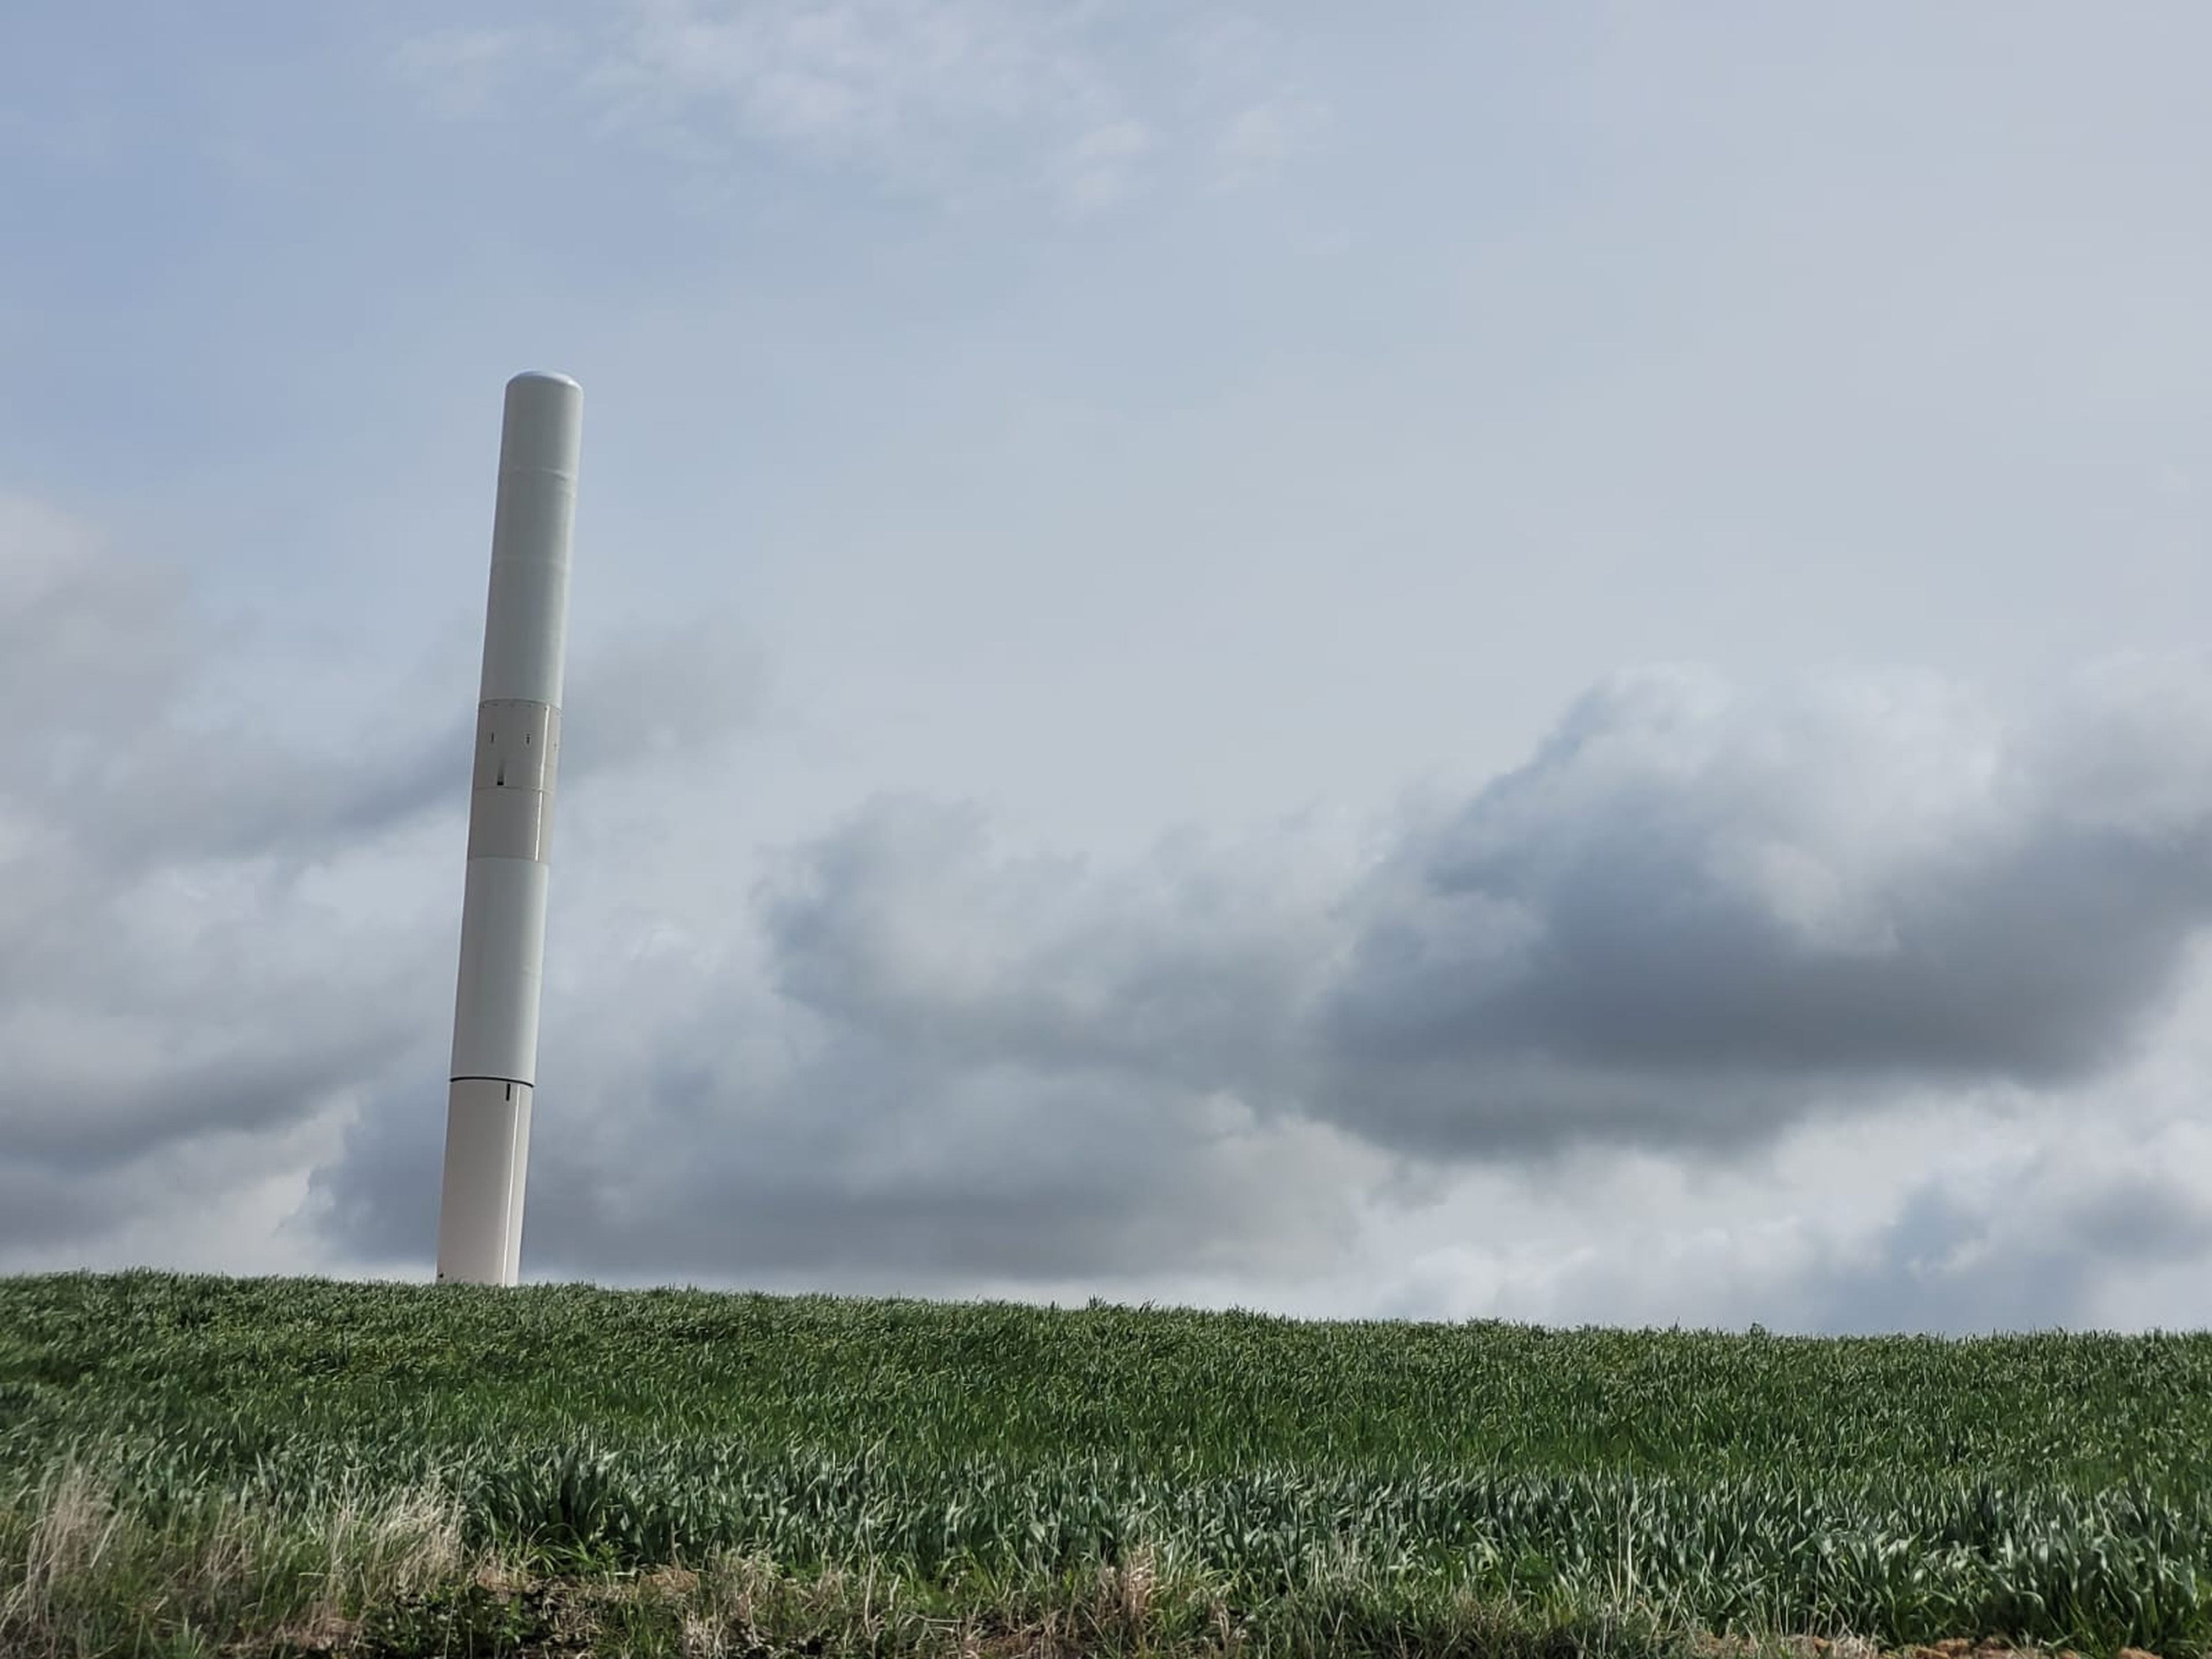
(494, 1067)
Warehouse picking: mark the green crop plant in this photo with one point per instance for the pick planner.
(890, 1474)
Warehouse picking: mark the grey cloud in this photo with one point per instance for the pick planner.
(2036, 1257)
(901, 922)
(204, 799)
(190, 947)
(1694, 918)
(674, 691)
(86, 640)
(945, 1178)
(2141, 1217)
(2040, 1218)
(1944, 1264)
(101, 655)
(1697, 918)
(168, 795)
(972, 1068)
(698, 1131)
(159, 983)
(35, 1209)
(75, 1105)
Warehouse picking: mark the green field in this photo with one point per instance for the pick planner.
(202, 1465)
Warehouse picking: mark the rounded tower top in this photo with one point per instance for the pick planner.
(527, 375)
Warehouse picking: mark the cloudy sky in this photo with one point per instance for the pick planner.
(1415, 661)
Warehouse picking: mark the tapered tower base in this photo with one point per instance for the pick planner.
(487, 1151)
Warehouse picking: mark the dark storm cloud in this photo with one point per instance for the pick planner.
(36, 1209)
(1616, 910)
(1694, 918)
(1631, 950)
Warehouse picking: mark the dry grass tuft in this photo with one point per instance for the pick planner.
(90, 1565)
(73, 1530)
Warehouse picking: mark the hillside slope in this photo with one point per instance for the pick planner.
(1108, 1475)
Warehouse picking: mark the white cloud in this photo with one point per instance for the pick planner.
(1256, 143)
(946, 98)
(907, 87)
(1102, 164)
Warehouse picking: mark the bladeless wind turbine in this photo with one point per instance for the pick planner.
(518, 750)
